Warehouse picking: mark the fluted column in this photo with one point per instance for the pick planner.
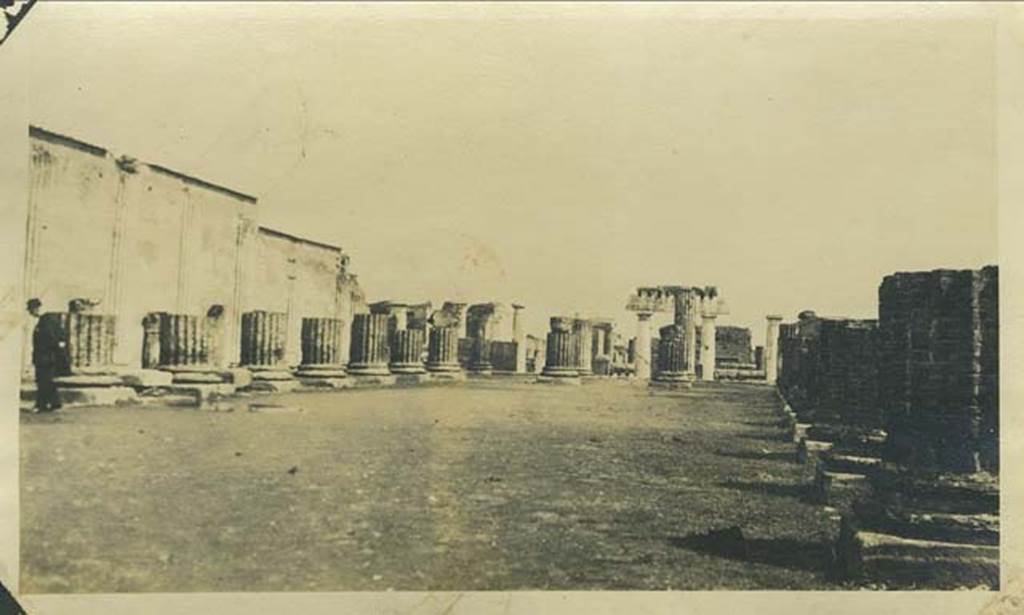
(562, 348)
(263, 338)
(707, 349)
(672, 355)
(583, 332)
(642, 346)
(407, 351)
(321, 348)
(91, 340)
(183, 340)
(443, 349)
(369, 352)
(771, 348)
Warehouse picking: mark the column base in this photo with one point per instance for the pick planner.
(193, 374)
(443, 367)
(318, 382)
(407, 368)
(560, 372)
(321, 371)
(584, 371)
(368, 369)
(270, 373)
(447, 376)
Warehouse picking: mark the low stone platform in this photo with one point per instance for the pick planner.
(96, 396)
(238, 376)
(671, 385)
(561, 380)
(145, 378)
(448, 376)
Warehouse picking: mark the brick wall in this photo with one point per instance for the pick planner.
(829, 370)
(939, 365)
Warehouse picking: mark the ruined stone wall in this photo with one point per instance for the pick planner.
(732, 345)
(503, 356)
(829, 370)
(939, 368)
(136, 237)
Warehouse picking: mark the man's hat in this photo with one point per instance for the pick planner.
(33, 303)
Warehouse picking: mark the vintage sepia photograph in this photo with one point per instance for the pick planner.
(462, 297)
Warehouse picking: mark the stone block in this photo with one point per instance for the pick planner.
(325, 383)
(808, 451)
(561, 380)
(238, 376)
(88, 381)
(371, 381)
(273, 386)
(908, 563)
(97, 396)
(145, 378)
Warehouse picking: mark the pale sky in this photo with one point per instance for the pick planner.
(557, 156)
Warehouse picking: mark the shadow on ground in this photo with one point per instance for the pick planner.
(787, 490)
(779, 552)
(759, 456)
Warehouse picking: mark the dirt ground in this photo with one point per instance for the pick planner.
(480, 486)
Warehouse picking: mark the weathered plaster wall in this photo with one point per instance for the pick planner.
(303, 279)
(141, 238)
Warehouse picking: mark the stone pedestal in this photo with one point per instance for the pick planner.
(561, 362)
(264, 338)
(321, 353)
(771, 349)
(370, 352)
(407, 351)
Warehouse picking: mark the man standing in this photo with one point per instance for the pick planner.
(49, 355)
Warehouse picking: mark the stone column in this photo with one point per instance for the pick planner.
(91, 340)
(369, 351)
(583, 332)
(686, 311)
(183, 340)
(443, 349)
(771, 349)
(321, 348)
(642, 345)
(263, 339)
(519, 337)
(478, 319)
(707, 350)
(407, 351)
(672, 355)
(562, 347)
